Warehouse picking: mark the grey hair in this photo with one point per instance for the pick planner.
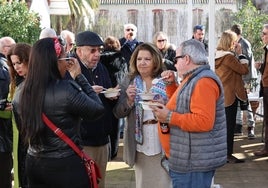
(4, 41)
(265, 26)
(134, 27)
(196, 51)
(65, 33)
(47, 32)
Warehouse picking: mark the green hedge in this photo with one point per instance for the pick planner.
(17, 22)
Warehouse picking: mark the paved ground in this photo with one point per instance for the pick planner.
(251, 174)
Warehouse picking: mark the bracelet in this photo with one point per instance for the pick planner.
(168, 116)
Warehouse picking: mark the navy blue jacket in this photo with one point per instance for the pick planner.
(96, 133)
(126, 50)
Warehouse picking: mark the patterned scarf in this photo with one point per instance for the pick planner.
(132, 44)
(160, 90)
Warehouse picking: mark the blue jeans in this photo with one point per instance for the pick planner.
(250, 118)
(191, 179)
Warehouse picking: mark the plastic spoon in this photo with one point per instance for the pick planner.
(156, 80)
(105, 89)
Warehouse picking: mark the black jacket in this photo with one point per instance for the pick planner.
(65, 104)
(5, 124)
(96, 133)
(262, 68)
(168, 57)
(126, 49)
(116, 66)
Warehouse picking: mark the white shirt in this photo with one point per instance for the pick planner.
(151, 143)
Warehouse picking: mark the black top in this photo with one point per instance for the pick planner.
(116, 65)
(128, 47)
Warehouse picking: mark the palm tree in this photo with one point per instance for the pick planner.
(81, 18)
(83, 9)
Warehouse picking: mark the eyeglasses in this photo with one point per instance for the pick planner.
(68, 59)
(163, 40)
(71, 44)
(94, 50)
(178, 57)
(129, 29)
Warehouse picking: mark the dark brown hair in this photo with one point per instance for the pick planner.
(157, 60)
(112, 43)
(22, 50)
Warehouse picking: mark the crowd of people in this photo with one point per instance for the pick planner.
(65, 76)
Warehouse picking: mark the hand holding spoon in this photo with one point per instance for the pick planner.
(156, 80)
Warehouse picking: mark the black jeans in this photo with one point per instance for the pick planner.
(67, 172)
(230, 113)
(5, 169)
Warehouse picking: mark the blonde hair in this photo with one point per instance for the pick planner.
(226, 42)
(167, 46)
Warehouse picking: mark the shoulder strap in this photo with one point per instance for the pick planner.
(64, 137)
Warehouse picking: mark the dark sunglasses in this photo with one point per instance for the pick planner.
(163, 40)
(178, 57)
(129, 29)
(94, 50)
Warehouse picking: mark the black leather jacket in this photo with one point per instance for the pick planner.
(65, 104)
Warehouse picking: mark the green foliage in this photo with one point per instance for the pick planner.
(17, 22)
(252, 22)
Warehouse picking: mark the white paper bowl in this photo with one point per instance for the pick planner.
(111, 93)
(146, 105)
(147, 96)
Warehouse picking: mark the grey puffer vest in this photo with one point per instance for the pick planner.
(203, 151)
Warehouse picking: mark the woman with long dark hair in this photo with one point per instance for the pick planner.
(17, 60)
(50, 162)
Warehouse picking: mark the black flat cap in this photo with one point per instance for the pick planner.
(88, 38)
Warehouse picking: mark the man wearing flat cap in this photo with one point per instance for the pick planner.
(95, 134)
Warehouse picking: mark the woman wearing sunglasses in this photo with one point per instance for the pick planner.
(167, 50)
(50, 162)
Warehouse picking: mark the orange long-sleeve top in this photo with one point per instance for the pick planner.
(202, 106)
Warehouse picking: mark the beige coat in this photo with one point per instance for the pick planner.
(230, 70)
